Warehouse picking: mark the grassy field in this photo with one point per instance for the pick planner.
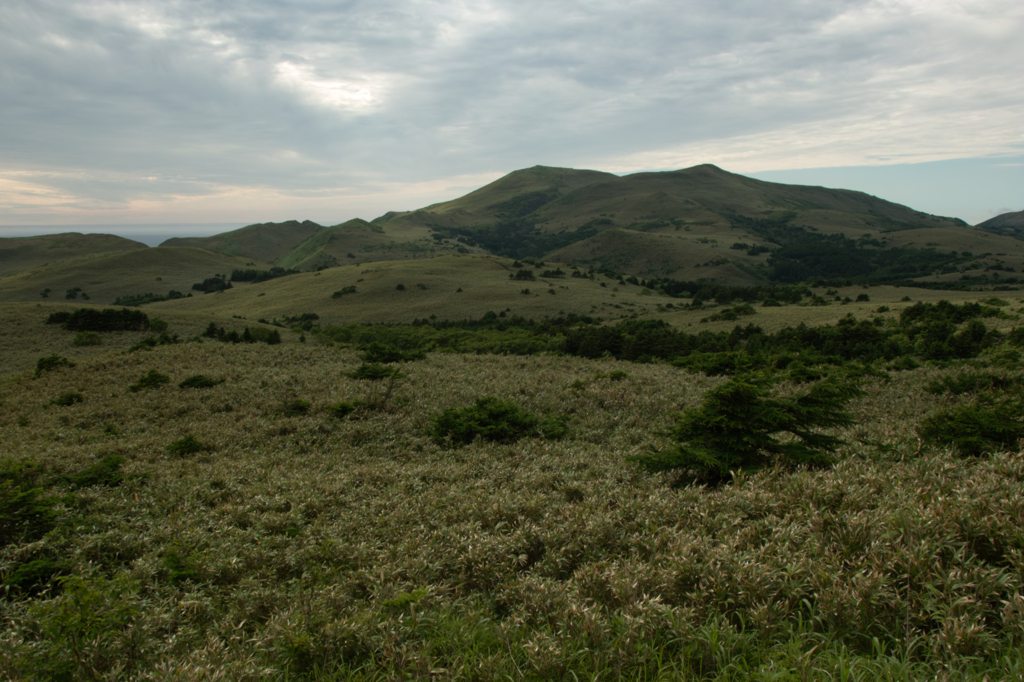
(293, 545)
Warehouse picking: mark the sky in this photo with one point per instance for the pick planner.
(181, 115)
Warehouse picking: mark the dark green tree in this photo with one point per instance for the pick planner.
(740, 425)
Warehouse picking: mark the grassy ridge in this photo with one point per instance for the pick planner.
(361, 549)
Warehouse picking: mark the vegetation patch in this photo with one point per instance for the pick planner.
(741, 426)
(50, 363)
(152, 379)
(143, 299)
(976, 430)
(106, 320)
(490, 419)
(66, 399)
(188, 445)
(88, 339)
(200, 381)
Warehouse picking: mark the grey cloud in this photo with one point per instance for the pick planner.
(194, 94)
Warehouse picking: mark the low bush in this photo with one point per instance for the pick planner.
(975, 430)
(295, 407)
(200, 381)
(351, 289)
(151, 379)
(154, 341)
(50, 363)
(491, 418)
(66, 399)
(741, 426)
(382, 353)
(106, 472)
(25, 512)
(972, 382)
(35, 576)
(88, 339)
(188, 445)
(106, 320)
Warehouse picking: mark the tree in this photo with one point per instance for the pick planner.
(741, 426)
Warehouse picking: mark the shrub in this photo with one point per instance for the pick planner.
(971, 382)
(186, 446)
(975, 430)
(106, 472)
(88, 339)
(152, 379)
(33, 577)
(738, 427)
(106, 320)
(157, 325)
(523, 276)
(373, 371)
(344, 291)
(295, 407)
(25, 512)
(490, 418)
(200, 381)
(154, 341)
(377, 352)
(66, 399)
(50, 363)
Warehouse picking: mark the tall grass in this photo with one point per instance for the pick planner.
(308, 546)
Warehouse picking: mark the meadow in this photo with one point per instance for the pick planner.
(246, 531)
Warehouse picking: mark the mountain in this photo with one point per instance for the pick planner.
(263, 242)
(1007, 224)
(22, 253)
(700, 222)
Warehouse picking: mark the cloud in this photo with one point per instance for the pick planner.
(110, 106)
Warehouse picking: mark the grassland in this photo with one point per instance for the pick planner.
(20, 253)
(358, 548)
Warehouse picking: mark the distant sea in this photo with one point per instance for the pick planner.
(151, 234)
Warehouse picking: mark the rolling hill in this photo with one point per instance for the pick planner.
(1008, 224)
(22, 253)
(105, 277)
(263, 242)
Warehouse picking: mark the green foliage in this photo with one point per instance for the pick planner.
(72, 293)
(26, 513)
(67, 399)
(739, 424)
(154, 341)
(106, 320)
(157, 325)
(344, 291)
(256, 276)
(373, 371)
(253, 335)
(491, 418)
(106, 472)
(976, 430)
(142, 299)
(35, 576)
(523, 276)
(152, 379)
(376, 352)
(185, 446)
(732, 313)
(972, 382)
(85, 633)
(295, 407)
(88, 339)
(212, 285)
(200, 381)
(50, 363)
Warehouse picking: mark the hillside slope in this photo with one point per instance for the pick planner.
(105, 277)
(263, 242)
(1007, 224)
(22, 253)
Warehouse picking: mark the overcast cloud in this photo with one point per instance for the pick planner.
(211, 111)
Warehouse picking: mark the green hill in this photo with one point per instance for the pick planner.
(22, 253)
(359, 241)
(263, 242)
(1007, 224)
(106, 277)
